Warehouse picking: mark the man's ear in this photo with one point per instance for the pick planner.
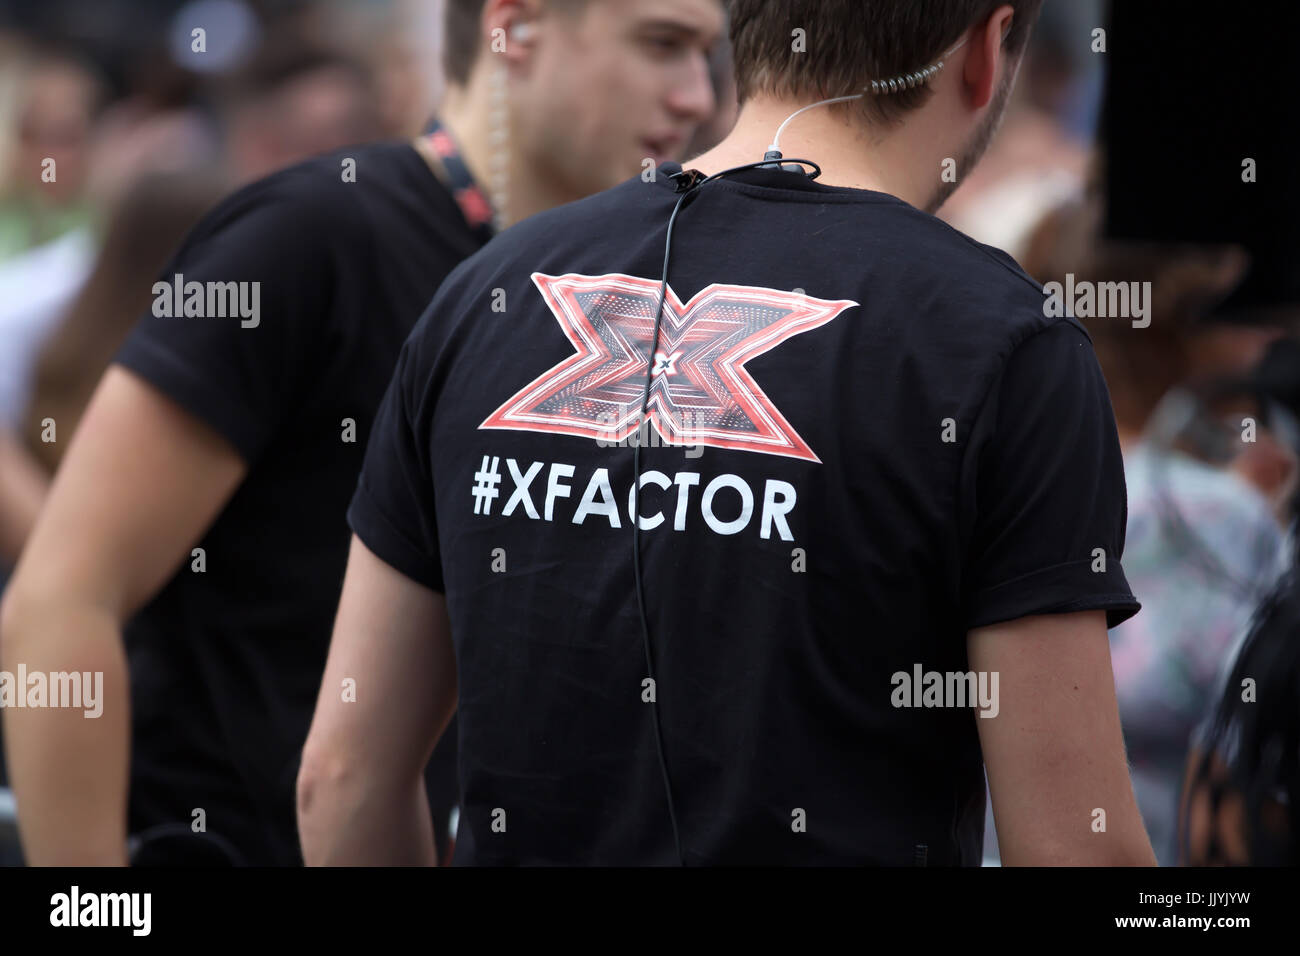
(510, 27)
(984, 59)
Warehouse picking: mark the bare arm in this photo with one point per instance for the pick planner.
(22, 490)
(1054, 752)
(361, 795)
(140, 484)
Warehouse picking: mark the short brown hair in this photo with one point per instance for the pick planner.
(461, 40)
(852, 42)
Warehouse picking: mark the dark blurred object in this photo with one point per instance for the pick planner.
(113, 33)
(79, 17)
(1241, 803)
(1195, 90)
(178, 845)
(10, 851)
(1278, 375)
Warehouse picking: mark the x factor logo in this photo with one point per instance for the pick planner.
(700, 392)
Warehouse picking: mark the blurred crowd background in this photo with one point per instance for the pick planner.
(147, 134)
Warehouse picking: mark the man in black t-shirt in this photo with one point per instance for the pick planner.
(201, 507)
(879, 486)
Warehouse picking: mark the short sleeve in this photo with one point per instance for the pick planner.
(237, 317)
(1045, 484)
(392, 511)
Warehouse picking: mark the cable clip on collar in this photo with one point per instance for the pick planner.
(687, 179)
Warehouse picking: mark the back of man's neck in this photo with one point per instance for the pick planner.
(847, 156)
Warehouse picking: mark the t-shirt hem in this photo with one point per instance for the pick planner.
(381, 537)
(165, 371)
(1060, 589)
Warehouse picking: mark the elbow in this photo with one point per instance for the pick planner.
(322, 777)
(38, 619)
(309, 787)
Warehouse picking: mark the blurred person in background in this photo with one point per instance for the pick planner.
(404, 103)
(140, 237)
(291, 101)
(115, 136)
(47, 223)
(295, 101)
(207, 484)
(1206, 511)
(1241, 796)
(398, 41)
(49, 100)
(42, 196)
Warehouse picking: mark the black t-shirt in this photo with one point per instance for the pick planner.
(892, 445)
(226, 662)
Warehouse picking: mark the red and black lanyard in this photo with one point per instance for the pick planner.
(473, 201)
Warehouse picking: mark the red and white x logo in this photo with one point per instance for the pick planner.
(700, 392)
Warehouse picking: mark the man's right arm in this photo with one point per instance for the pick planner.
(141, 483)
(1044, 483)
(1054, 752)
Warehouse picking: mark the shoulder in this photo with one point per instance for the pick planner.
(987, 283)
(963, 308)
(313, 203)
(340, 168)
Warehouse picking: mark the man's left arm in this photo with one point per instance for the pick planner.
(388, 693)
